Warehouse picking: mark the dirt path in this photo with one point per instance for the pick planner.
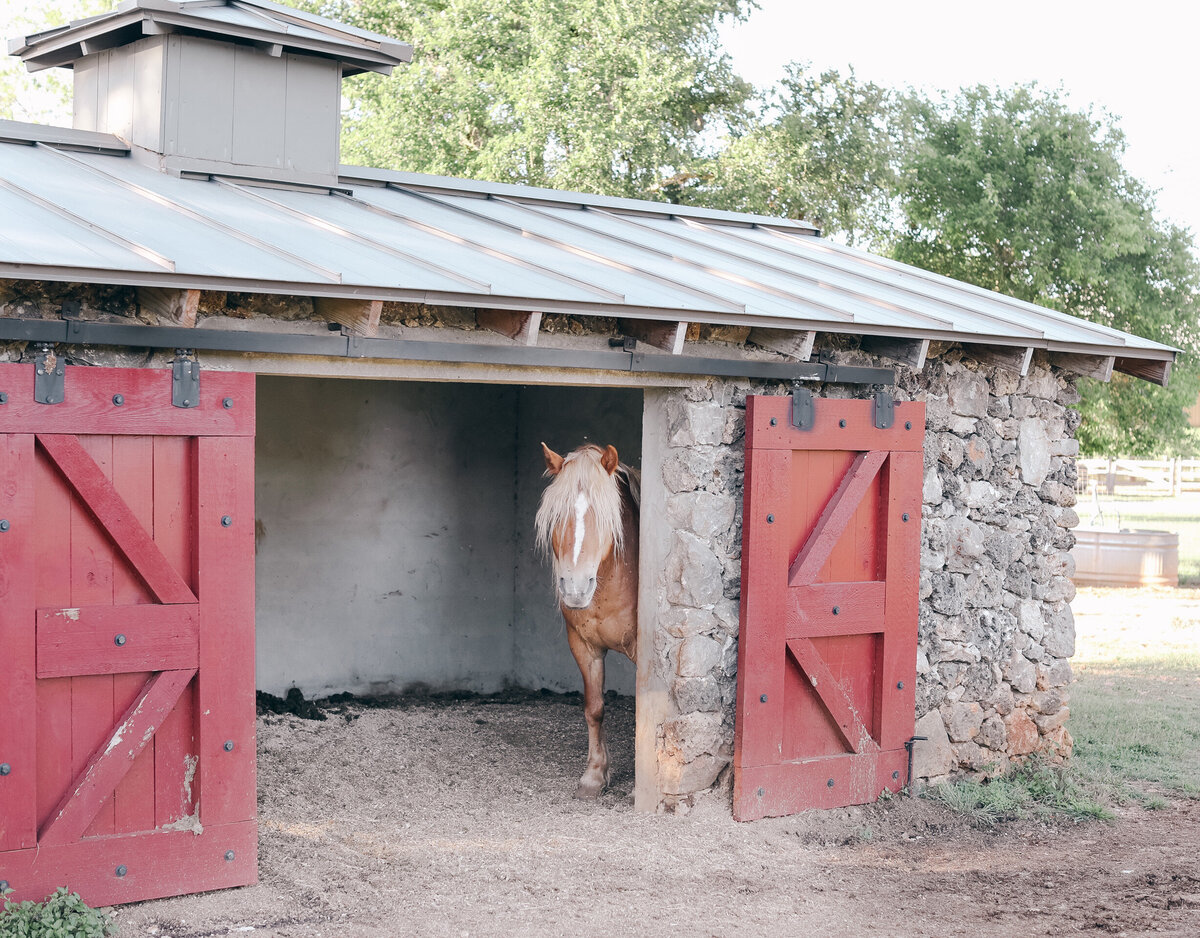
(456, 819)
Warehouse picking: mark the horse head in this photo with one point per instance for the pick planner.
(579, 519)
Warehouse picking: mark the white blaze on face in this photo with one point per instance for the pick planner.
(581, 507)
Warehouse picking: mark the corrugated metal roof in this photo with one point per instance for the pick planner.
(76, 210)
(253, 21)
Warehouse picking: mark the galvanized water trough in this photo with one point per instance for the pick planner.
(1104, 557)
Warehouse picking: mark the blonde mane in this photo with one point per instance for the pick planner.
(582, 472)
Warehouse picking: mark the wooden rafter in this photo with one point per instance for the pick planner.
(1154, 371)
(178, 307)
(910, 352)
(837, 514)
(1099, 367)
(665, 335)
(1009, 357)
(361, 317)
(793, 344)
(519, 326)
(109, 763)
(110, 510)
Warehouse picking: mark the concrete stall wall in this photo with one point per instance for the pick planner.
(394, 524)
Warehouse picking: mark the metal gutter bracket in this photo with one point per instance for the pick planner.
(804, 415)
(49, 370)
(884, 409)
(185, 379)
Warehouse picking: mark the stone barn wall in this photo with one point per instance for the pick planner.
(995, 626)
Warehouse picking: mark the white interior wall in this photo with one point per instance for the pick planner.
(395, 539)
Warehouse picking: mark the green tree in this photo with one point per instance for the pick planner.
(1017, 192)
(826, 150)
(39, 97)
(610, 96)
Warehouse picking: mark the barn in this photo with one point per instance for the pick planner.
(267, 421)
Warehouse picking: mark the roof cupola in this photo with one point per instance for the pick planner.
(229, 87)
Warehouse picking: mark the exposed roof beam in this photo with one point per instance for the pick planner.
(1099, 367)
(521, 327)
(909, 352)
(360, 317)
(177, 306)
(1009, 357)
(667, 336)
(1156, 372)
(794, 345)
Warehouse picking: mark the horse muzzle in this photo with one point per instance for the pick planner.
(576, 593)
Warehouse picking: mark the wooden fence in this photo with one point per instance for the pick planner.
(1139, 476)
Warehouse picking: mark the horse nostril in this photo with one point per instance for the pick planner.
(562, 584)
(591, 582)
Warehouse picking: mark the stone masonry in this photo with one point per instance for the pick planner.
(995, 624)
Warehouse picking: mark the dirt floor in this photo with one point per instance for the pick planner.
(455, 818)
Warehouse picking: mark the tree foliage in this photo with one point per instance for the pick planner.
(826, 151)
(611, 96)
(39, 97)
(1015, 191)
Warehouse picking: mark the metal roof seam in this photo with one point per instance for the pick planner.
(483, 248)
(582, 252)
(724, 275)
(1028, 331)
(140, 249)
(790, 273)
(331, 275)
(1014, 304)
(338, 230)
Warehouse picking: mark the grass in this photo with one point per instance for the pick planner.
(1135, 717)
(1155, 512)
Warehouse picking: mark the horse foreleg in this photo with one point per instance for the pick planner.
(590, 659)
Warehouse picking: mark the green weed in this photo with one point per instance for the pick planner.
(1031, 790)
(62, 915)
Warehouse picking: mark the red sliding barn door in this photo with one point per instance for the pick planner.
(126, 636)
(831, 538)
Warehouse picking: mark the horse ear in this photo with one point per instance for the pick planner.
(609, 459)
(553, 460)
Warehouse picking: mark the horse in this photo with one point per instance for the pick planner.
(587, 522)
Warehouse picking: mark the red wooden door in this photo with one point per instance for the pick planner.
(828, 637)
(127, 750)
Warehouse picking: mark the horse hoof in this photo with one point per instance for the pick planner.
(588, 791)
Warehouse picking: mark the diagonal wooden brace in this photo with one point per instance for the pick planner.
(835, 517)
(845, 716)
(109, 508)
(108, 765)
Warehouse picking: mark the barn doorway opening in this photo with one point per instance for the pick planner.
(394, 528)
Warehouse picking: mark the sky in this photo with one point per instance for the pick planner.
(1135, 60)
